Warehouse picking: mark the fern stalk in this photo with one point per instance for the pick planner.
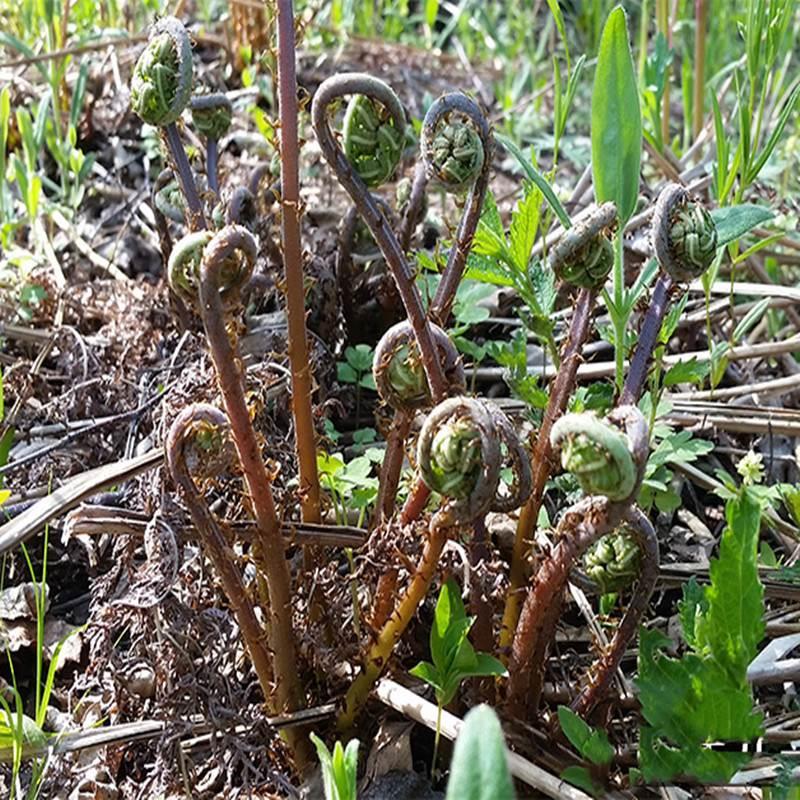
(302, 383)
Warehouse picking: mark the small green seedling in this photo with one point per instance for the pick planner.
(591, 744)
(479, 770)
(357, 367)
(357, 370)
(338, 768)
(454, 657)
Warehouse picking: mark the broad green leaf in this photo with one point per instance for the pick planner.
(339, 769)
(479, 770)
(691, 371)
(593, 745)
(425, 671)
(431, 11)
(448, 629)
(359, 357)
(484, 666)
(345, 373)
(733, 222)
(580, 777)
(616, 119)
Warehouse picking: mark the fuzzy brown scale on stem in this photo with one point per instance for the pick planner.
(566, 255)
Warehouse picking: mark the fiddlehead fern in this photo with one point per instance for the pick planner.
(196, 440)
(685, 242)
(161, 86)
(162, 79)
(229, 257)
(581, 526)
(212, 115)
(606, 456)
(584, 255)
(684, 234)
(328, 92)
(373, 139)
(397, 368)
(183, 270)
(566, 259)
(459, 456)
(168, 199)
(613, 562)
(457, 147)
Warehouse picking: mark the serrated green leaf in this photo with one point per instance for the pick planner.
(734, 625)
(661, 762)
(616, 119)
(692, 605)
(524, 226)
(704, 696)
(543, 281)
(488, 270)
(479, 769)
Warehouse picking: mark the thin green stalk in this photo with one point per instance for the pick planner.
(619, 319)
(437, 736)
(700, 14)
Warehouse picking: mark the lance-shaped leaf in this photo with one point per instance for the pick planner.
(616, 119)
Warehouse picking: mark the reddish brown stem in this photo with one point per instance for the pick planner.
(542, 459)
(228, 244)
(603, 671)
(416, 203)
(393, 629)
(195, 217)
(648, 336)
(302, 383)
(392, 465)
(164, 239)
(481, 608)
